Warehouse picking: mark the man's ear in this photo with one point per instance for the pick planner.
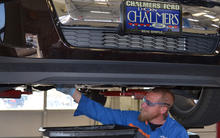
(163, 109)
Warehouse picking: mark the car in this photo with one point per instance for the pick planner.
(107, 45)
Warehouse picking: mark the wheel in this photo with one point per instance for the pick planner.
(197, 112)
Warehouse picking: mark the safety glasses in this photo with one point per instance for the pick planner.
(149, 103)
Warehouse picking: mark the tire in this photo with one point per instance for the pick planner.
(198, 114)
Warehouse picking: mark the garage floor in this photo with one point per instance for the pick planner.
(207, 132)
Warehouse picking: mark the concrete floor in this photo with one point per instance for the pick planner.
(207, 132)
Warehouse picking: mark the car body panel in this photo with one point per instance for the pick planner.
(95, 72)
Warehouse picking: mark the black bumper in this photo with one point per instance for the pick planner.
(60, 71)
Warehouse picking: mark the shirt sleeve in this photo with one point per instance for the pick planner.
(105, 115)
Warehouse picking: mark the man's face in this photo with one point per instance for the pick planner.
(149, 113)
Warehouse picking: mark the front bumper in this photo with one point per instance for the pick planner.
(97, 72)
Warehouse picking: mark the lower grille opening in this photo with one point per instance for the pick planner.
(186, 43)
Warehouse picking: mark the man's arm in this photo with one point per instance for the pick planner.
(98, 112)
(105, 115)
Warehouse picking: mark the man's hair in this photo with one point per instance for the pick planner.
(166, 95)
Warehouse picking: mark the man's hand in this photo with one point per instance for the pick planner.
(70, 91)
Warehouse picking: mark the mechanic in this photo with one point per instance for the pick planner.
(152, 122)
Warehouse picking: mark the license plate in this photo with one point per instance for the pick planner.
(147, 17)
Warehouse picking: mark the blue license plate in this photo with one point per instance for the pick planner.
(151, 17)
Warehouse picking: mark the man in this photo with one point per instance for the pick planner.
(152, 122)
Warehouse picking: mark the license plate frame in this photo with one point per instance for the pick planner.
(151, 17)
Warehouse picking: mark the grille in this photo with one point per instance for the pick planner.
(104, 39)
